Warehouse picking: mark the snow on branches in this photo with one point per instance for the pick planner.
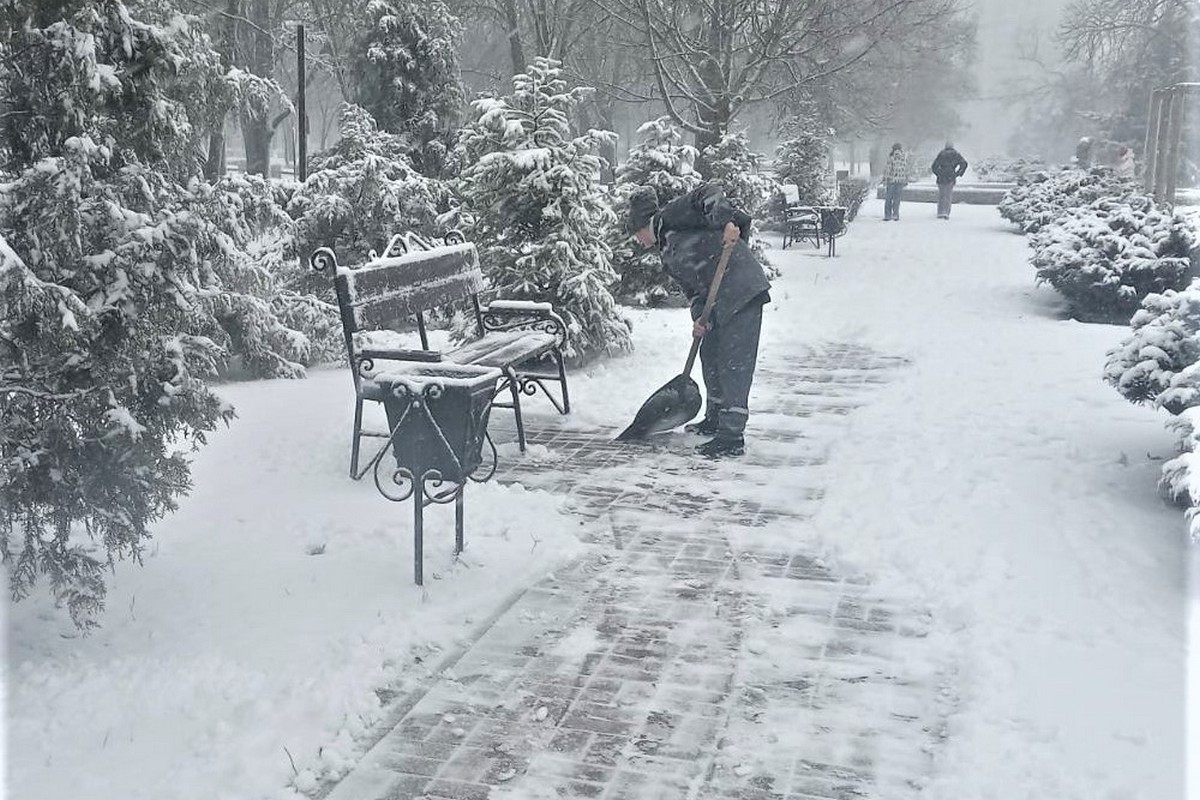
(660, 161)
(530, 189)
(1041, 198)
(1105, 258)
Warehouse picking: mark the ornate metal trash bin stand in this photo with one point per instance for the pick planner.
(438, 415)
(833, 225)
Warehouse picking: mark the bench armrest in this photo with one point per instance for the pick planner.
(364, 360)
(512, 315)
(401, 355)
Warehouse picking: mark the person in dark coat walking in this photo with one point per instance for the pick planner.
(690, 232)
(949, 166)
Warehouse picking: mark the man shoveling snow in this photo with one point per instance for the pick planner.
(689, 232)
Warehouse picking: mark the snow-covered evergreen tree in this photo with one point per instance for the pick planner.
(362, 191)
(1159, 363)
(1105, 258)
(1041, 198)
(739, 169)
(539, 217)
(803, 159)
(116, 265)
(405, 74)
(660, 161)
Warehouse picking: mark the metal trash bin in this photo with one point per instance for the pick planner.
(438, 416)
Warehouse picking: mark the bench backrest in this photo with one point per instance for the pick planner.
(791, 194)
(411, 277)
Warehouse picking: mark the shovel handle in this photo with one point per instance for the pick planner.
(709, 302)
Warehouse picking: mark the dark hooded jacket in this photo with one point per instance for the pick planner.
(689, 232)
(949, 165)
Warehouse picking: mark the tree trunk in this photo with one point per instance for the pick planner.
(214, 164)
(257, 131)
(515, 50)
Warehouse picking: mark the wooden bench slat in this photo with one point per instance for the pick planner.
(503, 349)
(387, 289)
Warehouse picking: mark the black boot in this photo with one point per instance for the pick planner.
(722, 447)
(705, 427)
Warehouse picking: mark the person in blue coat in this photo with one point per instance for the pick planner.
(690, 232)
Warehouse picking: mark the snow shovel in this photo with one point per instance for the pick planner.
(678, 401)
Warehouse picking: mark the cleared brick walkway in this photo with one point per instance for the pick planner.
(692, 655)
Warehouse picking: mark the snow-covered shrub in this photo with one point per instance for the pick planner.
(1040, 199)
(362, 191)
(661, 161)
(852, 193)
(1007, 169)
(803, 160)
(739, 169)
(540, 217)
(1157, 364)
(1180, 480)
(1105, 258)
(405, 73)
(119, 274)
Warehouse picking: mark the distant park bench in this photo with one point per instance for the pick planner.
(816, 224)
(524, 340)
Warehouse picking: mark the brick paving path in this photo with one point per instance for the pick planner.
(683, 658)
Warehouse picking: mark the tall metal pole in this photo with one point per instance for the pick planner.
(301, 114)
(1178, 116)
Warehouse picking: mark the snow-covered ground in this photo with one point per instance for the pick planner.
(996, 480)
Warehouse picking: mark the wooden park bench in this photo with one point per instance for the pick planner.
(524, 340)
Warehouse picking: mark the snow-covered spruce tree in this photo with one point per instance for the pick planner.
(1158, 363)
(1105, 258)
(405, 73)
(110, 285)
(362, 191)
(735, 166)
(539, 216)
(803, 160)
(661, 161)
(1043, 197)
(739, 169)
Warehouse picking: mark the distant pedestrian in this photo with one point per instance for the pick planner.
(949, 166)
(1124, 166)
(895, 178)
(689, 233)
(1083, 153)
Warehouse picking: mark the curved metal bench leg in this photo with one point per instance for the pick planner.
(356, 438)
(562, 381)
(514, 387)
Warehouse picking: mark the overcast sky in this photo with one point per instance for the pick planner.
(1002, 23)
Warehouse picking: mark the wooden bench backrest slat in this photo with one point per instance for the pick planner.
(378, 295)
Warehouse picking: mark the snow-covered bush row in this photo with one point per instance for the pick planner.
(1041, 198)
(1181, 475)
(530, 188)
(1007, 169)
(1157, 364)
(1105, 258)
(660, 160)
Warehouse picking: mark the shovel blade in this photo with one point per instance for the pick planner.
(677, 402)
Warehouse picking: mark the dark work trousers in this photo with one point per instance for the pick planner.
(728, 354)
